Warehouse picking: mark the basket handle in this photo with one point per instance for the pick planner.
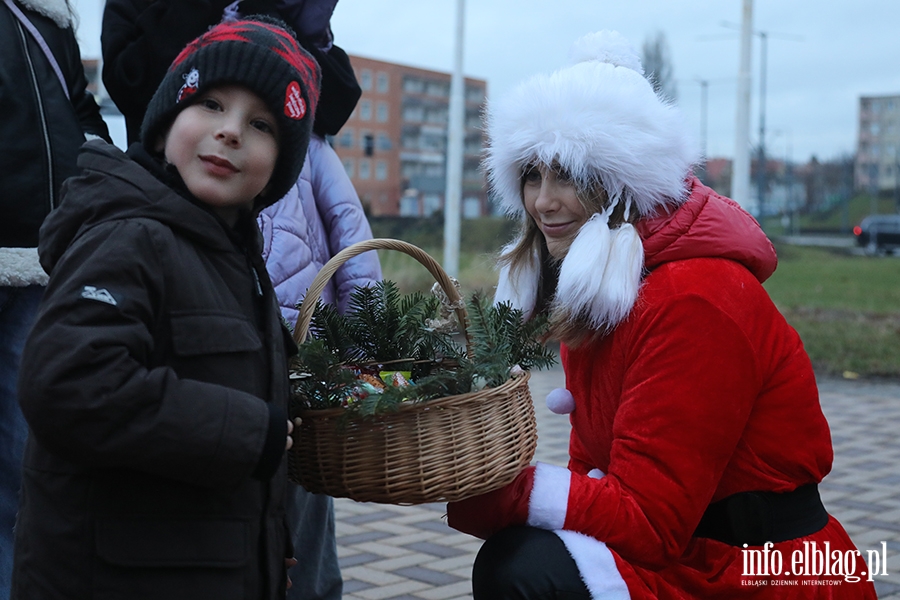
(331, 267)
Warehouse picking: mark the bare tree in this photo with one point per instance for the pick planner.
(658, 65)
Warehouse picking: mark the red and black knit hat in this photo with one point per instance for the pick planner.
(261, 55)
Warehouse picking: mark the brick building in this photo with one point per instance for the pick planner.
(394, 145)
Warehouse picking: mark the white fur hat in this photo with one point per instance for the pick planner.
(601, 121)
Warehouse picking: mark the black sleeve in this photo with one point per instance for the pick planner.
(340, 90)
(139, 40)
(83, 101)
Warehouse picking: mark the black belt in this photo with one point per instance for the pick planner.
(754, 518)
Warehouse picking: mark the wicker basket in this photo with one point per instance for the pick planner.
(436, 451)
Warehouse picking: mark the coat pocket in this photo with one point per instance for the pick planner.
(174, 559)
(198, 334)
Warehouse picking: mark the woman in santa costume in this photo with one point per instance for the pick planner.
(697, 436)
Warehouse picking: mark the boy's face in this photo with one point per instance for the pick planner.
(224, 145)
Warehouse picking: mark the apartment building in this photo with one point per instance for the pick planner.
(878, 150)
(394, 146)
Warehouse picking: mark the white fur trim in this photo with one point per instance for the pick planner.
(549, 498)
(596, 565)
(596, 474)
(599, 121)
(58, 10)
(520, 287)
(20, 267)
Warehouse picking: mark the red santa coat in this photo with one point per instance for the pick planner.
(702, 392)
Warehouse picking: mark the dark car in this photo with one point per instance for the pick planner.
(879, 233)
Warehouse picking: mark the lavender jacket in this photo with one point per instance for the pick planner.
(320, 216)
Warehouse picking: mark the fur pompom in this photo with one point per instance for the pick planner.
(561, 401)
(519, 287)
(608, 47)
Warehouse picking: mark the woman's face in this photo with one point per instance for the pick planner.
(551, 199)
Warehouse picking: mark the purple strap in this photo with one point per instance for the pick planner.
(41, 42)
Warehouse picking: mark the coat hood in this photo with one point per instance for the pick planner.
(707, 226)
(111, 187)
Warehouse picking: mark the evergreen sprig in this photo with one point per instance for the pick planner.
(502, 338)
(384, 330)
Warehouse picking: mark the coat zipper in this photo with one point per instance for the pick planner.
(44, 129)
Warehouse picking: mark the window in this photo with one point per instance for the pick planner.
(382, 82)
(413, 114)
(383, 142)
(365, 80)
(365, 168)
(411, 85)
(348, 167)
(382, 112)
(346, 138)
(431, 204)
(436, 88)
(410, 169)
(365, 110)
(367, 143)
(380, 170)
(409, 206)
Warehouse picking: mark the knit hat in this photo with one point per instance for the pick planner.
(262, 55)
(600, 121)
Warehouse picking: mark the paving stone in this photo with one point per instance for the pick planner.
(435, 549)
(431, 576)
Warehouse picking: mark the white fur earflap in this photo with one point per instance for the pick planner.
(581, 274)
(600, 276)
(601, 121)
(58, 10)
(519, 287)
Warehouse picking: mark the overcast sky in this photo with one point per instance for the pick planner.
(822, 54)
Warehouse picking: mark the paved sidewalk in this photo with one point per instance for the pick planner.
(409, 553)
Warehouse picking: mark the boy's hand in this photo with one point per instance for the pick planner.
(288, 563)
(290, 440)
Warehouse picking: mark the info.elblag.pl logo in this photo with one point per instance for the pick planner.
(812, 560)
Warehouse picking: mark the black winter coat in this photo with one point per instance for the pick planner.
(40, 129)
(155, 387)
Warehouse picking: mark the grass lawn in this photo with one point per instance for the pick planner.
(845, 307)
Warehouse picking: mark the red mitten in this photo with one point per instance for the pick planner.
(485, 515)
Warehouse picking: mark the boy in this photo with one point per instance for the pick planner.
(155, 382)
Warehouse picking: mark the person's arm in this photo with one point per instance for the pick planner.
(139, 41)
(86, 109)
(344, 220)
(94, 389)
(687, 395)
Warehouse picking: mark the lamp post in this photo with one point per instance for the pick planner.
(455, 142)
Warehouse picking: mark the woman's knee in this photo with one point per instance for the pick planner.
(524, 562)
